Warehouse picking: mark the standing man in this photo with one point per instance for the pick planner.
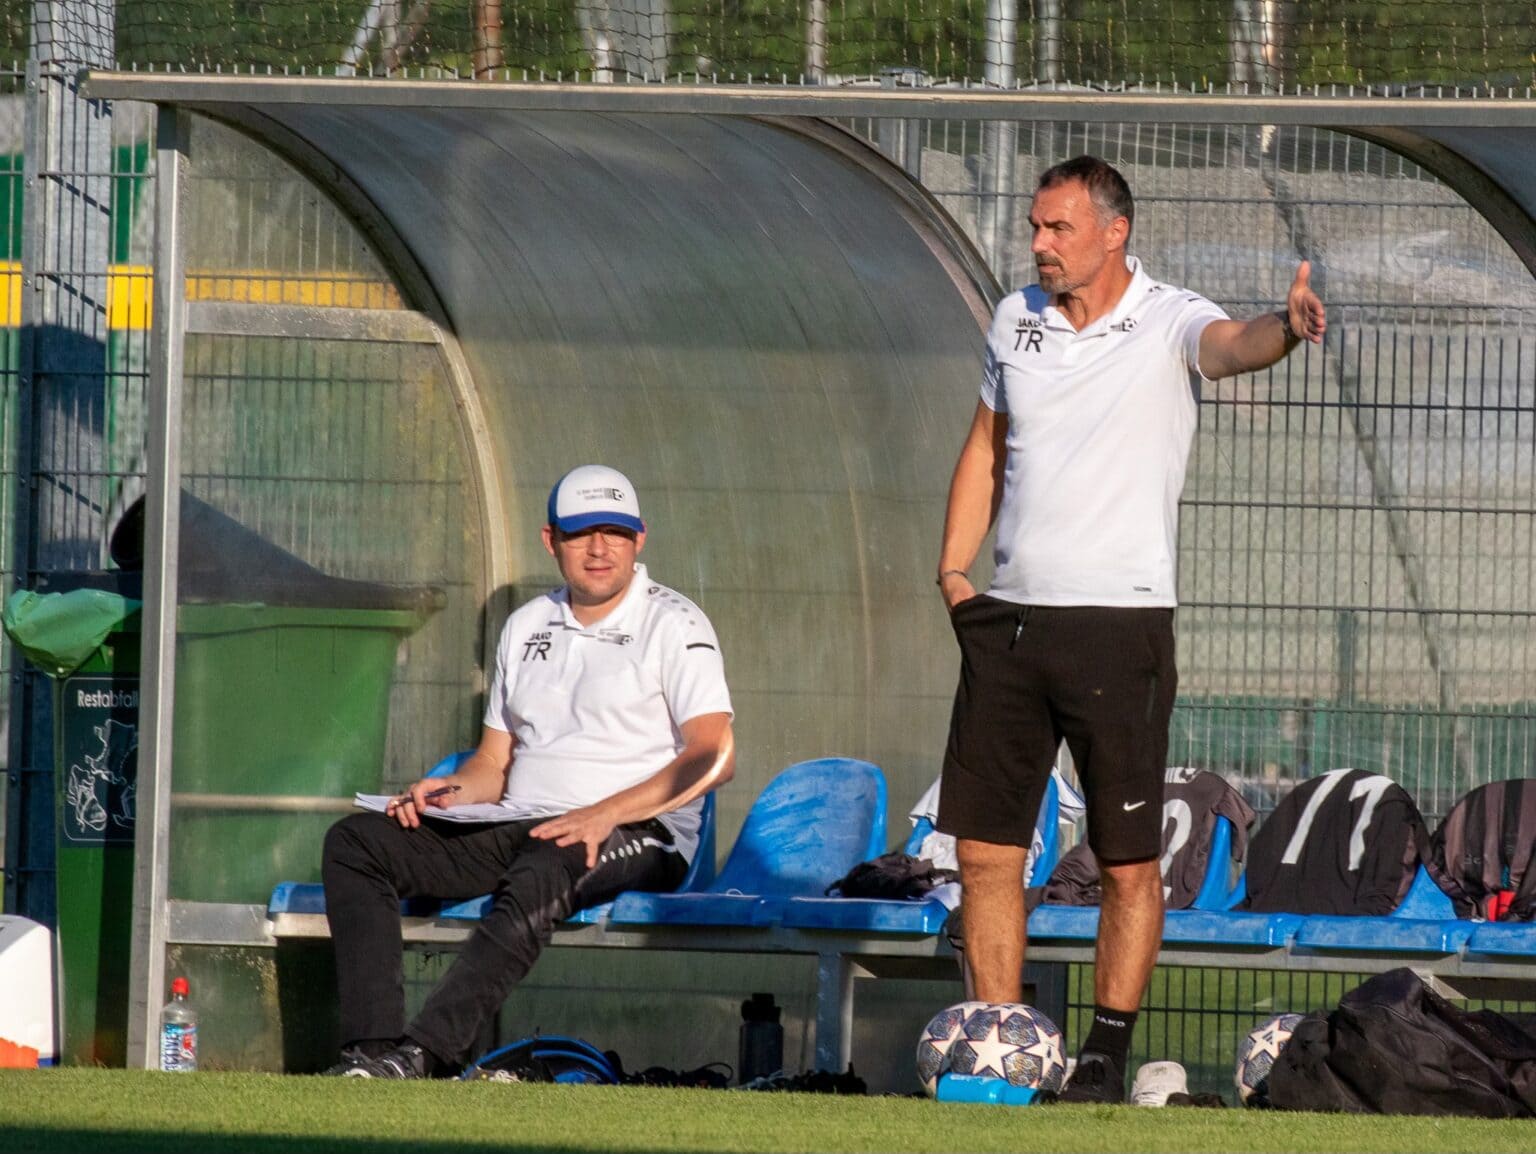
(1078, 449)
(607, 721)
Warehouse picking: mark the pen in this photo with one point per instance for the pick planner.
(441, 791)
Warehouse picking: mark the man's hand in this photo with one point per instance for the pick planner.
(433, 792)
(1228, 347)
(956, 587)
(589, 824)
(1304, 307)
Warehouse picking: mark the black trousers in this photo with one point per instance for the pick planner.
(371, 863)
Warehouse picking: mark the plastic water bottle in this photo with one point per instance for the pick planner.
(762, 1039)
(178, 1031)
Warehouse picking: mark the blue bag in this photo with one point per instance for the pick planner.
(545, 1058)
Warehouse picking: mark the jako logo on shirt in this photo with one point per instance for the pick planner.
(537, 646)
(1030, 328)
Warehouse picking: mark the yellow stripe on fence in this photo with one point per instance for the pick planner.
(10, 293)
(130, 292)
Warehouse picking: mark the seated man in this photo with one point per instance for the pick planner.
(607, 721)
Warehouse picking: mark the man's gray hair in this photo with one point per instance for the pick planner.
(1107, 188)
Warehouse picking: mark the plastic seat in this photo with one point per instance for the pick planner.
(1501, 938)
(1210, 917)
(925, 916)
(813, 823)
(1424, 922)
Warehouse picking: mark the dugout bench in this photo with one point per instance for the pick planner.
(817, 819)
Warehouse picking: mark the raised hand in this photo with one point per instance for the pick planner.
(1304, 307)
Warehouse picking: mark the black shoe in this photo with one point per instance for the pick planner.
(407, 1060)
(351, 1059)
(1096, 1079)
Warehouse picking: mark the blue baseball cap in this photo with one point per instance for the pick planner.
(594, 495)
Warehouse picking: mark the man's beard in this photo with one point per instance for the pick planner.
(1053, 278)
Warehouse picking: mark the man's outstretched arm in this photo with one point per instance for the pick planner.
(1231, 347)
(708, 760)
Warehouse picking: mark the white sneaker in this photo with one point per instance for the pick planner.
(1155, 1081)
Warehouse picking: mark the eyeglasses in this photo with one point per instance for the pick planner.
(610, 535)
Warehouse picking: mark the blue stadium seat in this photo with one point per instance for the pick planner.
(926, 916)
(1213, 916)
(813, 823)
(1502, 938)
(1219, 921)
(1210, 917)
(1424, 922)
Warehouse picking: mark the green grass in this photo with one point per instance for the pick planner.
(108, 1110)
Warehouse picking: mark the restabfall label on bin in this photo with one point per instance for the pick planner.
(99, 718)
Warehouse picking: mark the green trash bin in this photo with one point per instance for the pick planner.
(89, 643)
(281, 715)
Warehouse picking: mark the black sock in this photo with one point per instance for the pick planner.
(1110, 1034)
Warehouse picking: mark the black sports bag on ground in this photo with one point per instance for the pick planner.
(1393, 1046)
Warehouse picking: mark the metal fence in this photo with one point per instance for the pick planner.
(996, 41)
(1358, 525)
(347, 454)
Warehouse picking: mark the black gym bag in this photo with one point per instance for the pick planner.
(1393, 1046)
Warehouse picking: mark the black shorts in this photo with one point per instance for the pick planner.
(1101, 678)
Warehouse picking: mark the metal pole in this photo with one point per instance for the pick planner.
(162, 507)
(28, 764)
(999, 143)
(488, 53)
(1048, 40)
(834, 1012)
(816, 41)
(656, 40)
(1002, 33)
(1254, 37)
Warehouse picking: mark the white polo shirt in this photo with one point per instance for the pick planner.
(1099, 428)
(596, 709)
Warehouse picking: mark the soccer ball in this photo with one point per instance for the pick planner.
(1016, 1043)
(934, 1043)
(1256, 1056)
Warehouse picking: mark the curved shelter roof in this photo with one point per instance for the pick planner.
(1484, 147)
(735, 313)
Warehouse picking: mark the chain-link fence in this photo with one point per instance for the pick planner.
(1192, 42)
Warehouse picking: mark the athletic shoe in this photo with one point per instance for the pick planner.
(351, 1059)
(1096, 1079)
(407, 1060)
(1155, 1081)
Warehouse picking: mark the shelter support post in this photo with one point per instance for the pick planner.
(162, 504)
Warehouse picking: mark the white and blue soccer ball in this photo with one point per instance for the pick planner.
(1013, 1042)
(1256, 1057)
(938, 1036)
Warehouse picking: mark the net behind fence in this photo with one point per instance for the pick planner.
(1191, 42)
